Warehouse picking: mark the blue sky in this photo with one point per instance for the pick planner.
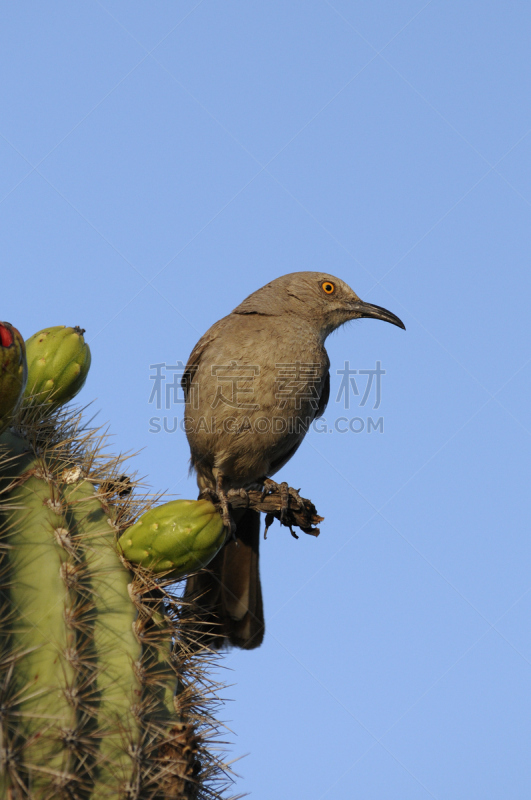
(161, 162)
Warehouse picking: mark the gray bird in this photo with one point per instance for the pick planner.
(253, 385)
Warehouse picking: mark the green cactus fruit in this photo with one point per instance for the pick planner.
(13, 372)
(103, 694)
(58, 364)
(180, 536)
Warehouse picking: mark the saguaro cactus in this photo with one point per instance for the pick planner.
(103, 691)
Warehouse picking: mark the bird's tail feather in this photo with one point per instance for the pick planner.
(226, 596)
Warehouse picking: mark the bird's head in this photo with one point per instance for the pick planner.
(327, 302)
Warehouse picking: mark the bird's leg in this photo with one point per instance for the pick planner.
(225, 508)
(208, 493)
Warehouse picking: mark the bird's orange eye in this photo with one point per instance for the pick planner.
(328, 287)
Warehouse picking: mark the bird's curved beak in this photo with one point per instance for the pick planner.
(361, 309)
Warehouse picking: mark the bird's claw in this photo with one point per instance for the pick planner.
(284, 499)
(268, 486)
(283, 489)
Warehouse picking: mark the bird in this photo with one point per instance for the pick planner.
(253, 384)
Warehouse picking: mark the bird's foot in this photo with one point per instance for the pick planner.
(273, 500)
(284, 491)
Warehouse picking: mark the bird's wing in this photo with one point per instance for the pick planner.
(325, 395)
(294, 443)
(195, 358)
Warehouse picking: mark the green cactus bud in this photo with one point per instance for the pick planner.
(58, 364)
(13, 372)
(181, 536)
